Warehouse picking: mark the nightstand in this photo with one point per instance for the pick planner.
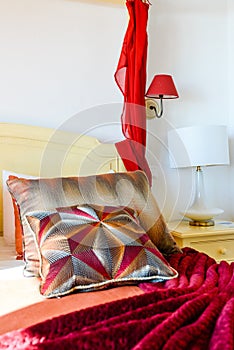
(217, 241)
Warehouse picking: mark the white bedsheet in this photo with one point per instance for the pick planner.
(16, 291)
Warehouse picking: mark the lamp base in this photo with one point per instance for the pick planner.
(202, 218)
(205, 223)
(199, 214)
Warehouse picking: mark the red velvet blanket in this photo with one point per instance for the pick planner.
(193, 311)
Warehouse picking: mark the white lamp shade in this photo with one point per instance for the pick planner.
(198, 146)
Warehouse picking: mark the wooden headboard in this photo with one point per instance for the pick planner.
(46, 152)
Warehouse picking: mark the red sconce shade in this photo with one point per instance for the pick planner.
(162, 86)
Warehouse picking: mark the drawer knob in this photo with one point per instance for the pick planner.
(223, 251)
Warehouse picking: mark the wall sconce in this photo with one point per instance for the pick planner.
(161, 87)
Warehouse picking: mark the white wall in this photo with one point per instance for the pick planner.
(58, 58)
(230, 185)
(193, 41)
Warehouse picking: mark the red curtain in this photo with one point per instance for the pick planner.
(131, 79)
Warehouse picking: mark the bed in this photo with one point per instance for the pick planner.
(99, 267)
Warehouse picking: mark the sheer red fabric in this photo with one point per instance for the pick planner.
(131, 79)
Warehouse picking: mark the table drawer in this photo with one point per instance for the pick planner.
(219, 250)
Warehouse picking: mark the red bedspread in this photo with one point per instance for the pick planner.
(193, 311)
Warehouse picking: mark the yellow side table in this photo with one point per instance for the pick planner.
(217, 241)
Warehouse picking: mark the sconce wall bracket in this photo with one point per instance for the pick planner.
(152, 108)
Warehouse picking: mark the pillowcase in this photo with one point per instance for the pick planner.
(92, 247)
(12, 228)
(127, 189)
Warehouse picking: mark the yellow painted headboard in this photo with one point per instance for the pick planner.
(45, 152)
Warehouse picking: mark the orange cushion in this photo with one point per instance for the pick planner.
(18, 228)
(18, 232)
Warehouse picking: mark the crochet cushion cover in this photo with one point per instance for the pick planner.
(91, 247)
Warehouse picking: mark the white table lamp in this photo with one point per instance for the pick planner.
(198, 146)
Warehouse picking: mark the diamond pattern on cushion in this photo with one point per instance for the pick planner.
(127, 189)
(92, 247)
